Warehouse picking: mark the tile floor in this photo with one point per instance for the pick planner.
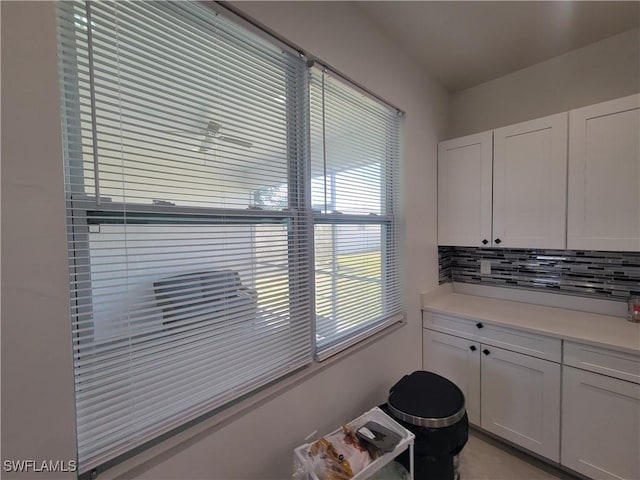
(484, 458)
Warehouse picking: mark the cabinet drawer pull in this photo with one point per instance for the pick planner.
(486, 352)
(472, 348)
(498, 241)
(485, 241)
(479, 325)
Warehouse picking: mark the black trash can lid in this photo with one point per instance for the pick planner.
(427, 400)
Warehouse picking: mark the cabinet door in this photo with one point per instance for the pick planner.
(521, 400)
(464, 190)
(458, 360)
(600, 425)
(604, 174)
(530, 184)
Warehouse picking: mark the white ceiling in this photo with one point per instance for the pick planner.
(466, 43)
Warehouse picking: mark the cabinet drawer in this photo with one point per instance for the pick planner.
(616, 364)
(540, 346)
(453, 325)
(547, 348)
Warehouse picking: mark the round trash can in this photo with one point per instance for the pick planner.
(433, 408)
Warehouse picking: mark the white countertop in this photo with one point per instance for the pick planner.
(596, 329)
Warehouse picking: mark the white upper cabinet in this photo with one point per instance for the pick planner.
(570, 180)
(530, 184)
(464, 190)
(604, 176)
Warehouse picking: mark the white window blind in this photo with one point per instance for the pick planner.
(188, 239)
(355, 150)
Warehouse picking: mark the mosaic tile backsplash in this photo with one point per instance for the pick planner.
(609, 275)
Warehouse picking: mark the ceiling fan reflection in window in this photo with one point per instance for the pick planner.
(211, 134)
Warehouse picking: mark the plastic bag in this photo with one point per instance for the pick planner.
(339, 456)
(392, 471)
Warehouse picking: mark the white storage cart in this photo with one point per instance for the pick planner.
(302, 458)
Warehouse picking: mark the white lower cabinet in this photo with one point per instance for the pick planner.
(515, 382)
(600, 425)
(520, 400)
(457, 359)
(510, 394)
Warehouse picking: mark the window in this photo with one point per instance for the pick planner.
(194, 201)
(354, 170)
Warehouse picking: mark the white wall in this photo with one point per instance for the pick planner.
(37, 377)
(255, 442)
(601, 71)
